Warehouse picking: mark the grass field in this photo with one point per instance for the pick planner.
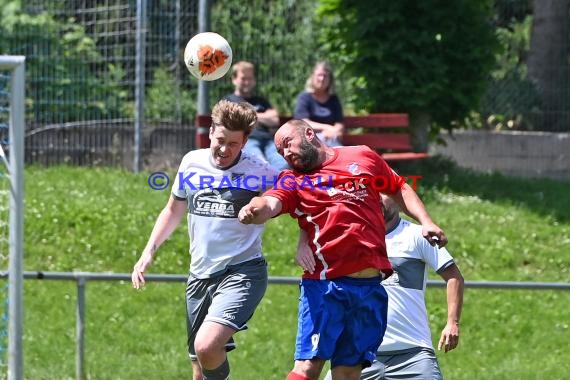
(98, 220)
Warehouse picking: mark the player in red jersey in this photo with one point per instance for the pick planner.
(334, 195)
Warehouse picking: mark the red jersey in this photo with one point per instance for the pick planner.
(338, 205)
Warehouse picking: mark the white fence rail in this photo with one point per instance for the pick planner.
(82, 277)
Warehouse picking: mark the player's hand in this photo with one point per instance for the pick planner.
(434, 235)
(305, 258)
(449, 337)
(137, 277)
(247, 214)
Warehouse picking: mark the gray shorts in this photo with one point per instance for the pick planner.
(229, 298)
(416, 364)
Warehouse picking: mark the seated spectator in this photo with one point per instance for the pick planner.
(260, 141)
(319, 106)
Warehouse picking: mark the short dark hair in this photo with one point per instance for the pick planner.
(242, 66)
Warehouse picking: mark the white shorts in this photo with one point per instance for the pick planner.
(229, 299)
(412, 364)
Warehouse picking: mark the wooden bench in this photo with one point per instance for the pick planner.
(387, 133)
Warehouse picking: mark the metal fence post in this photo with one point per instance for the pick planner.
(80, 329)
(203, 89)
(139, 82)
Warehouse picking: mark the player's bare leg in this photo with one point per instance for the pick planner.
(196, 371)
(210, 346)
(309, 369)
(346, 373)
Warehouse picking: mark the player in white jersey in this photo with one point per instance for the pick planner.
(406, 351)
(228, 273)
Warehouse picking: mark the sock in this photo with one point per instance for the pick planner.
(220, 373)
(295, 376)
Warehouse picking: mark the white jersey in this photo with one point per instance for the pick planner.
(410, 255)
(215, 197)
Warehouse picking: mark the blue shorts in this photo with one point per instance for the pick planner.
(342, 320)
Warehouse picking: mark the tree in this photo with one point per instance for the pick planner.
(61, 85)
(548, 63)
(429, 58)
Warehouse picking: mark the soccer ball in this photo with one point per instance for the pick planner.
(208, 56)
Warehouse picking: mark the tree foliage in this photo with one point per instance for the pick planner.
(431, 56)
(61, 86)
(278, 37)
(511, 100)
(548, 62)
(167, 101)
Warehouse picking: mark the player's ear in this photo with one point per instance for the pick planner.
(309, 133)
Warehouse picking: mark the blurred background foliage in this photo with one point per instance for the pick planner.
(464, 64)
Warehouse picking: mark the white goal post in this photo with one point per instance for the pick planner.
(14, 67)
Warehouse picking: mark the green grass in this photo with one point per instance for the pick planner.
(98, 220)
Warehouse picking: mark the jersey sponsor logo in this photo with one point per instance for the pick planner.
(218, 203)
(210, 202)
(349, 188)
(353, 168)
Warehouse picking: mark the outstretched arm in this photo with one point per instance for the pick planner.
(455, 283)
(165, 224)
(259, 210)
(413, 206)
(329, 131)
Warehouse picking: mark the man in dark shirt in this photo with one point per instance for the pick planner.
(260, 142)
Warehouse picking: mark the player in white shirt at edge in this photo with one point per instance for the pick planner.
(228, 273)
(406, 351)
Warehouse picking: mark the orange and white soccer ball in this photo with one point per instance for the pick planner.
(208, 56)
